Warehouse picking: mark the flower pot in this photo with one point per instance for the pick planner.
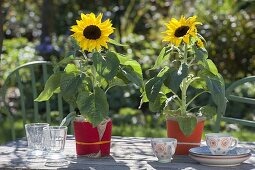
(93, 141)
(185, 143)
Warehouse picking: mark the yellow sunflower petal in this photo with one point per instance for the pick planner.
(192, 19)
(186, 39)
(193, 31)
(99, 18)
(175, 22)
(83, 44)
(92, 15)
(182, 20)
(76, 28)
(78, 36)
(80, 23)
(178, 41)
(83, 16)
(98, 47)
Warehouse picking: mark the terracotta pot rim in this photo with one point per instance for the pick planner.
(199, 119)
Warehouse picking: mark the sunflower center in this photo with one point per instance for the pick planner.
(181, 31)
(92, 32)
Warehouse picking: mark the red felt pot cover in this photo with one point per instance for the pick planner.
(87, 139)
(174, 131)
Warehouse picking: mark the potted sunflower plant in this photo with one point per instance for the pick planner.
(184, 73)
(83, 79)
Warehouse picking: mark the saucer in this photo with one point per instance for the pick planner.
(234, 157)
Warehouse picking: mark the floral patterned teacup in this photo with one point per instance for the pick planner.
(164, 148)
(220, 143)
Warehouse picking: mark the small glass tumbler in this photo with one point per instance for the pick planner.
(56, 138)
(36, 140)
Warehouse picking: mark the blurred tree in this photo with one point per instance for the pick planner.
(1, 26)
(47, 19)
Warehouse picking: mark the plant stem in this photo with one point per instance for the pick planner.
(195, 97)
(94, 76)
(184, 97)
(185, 53)
(184, 84)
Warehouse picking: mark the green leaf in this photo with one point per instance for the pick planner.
(121, 76)
(122, 58)
(87, 83)
(152, 88)
(129, 73)
(144, 99)
(217, 90)
(175, 77)
(135, 66)
(187, 124)
(161, 58)
(158, 104)
(208, 111)
(57, 90)
(93, 105)
(126, 62)
(106, 66)
(63, 62)
(71, 68)
(116, 82)
(171, 113)
(51, 85)
(69, 84)
(111, 41)
(200, 54)
(68, 119)
(163, 72)
(165, 89)
(191, 78)
(199, 84)
(211, 67)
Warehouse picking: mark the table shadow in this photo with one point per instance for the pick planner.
(105, 163)
(17, 156)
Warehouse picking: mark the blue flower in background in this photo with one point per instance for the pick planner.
(45, 47)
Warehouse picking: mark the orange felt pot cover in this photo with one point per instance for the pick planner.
(185, 143)
(87, 139)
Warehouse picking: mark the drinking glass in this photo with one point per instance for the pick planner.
(56, 138)
(36, 140)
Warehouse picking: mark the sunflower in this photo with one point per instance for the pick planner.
(91, 33)
(181, 30)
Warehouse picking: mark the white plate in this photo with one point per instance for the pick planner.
(233, 158)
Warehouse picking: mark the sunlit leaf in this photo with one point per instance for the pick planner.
(111, 41)
(52, 84)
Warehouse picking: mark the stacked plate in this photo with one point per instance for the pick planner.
(233, 158)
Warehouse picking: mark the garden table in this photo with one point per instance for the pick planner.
(126, 153)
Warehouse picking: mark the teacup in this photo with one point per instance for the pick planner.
(164, 148)
(220, 143)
